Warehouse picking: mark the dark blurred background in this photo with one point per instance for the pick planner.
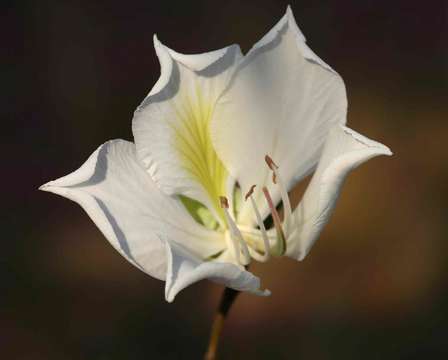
(375, 284)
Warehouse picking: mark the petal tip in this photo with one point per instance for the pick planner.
(157, 43)
(169, 297)
(266, 292)
(47, 186)
(387, 151)
(381, 149)
(155, 40)
(289, 12)
(376, 146)
(293, 23)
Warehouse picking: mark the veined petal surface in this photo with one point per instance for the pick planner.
(344, 150)
(184, 269)
(172, 126)
(282, 101)
(119, 196)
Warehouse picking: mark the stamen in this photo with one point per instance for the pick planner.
(281, 242)
(235, 234)
(260, 224)
(276, 178)
(236, 248)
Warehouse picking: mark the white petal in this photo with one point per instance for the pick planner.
(171, 126)
(184, 270)
(282, 101)
(126, 205)
(344, 150)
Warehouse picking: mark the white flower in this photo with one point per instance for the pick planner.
(214, 125)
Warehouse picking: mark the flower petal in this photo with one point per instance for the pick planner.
(344, 150)
(126, 205)
(282, 101)
(184, 269)
(171, 126)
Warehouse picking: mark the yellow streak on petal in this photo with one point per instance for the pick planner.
(195, 148)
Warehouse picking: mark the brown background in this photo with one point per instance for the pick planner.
(373, 287)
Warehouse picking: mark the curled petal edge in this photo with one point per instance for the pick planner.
(171, 124)
(344, 150)
(306, 51)
(304, 95)
(66, 186)
(128, 208)
(184, 270)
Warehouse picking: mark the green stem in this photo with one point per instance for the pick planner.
(228, 297)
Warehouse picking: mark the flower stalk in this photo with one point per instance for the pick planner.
(228, 298)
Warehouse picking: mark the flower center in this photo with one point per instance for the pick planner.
(256, 243)
(243, 241)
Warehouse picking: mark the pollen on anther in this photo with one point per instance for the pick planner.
(224, 202)
(250, 192)
(273, 166)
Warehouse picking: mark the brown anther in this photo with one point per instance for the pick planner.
(250, 192)
(273, 166)
(224, 202)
